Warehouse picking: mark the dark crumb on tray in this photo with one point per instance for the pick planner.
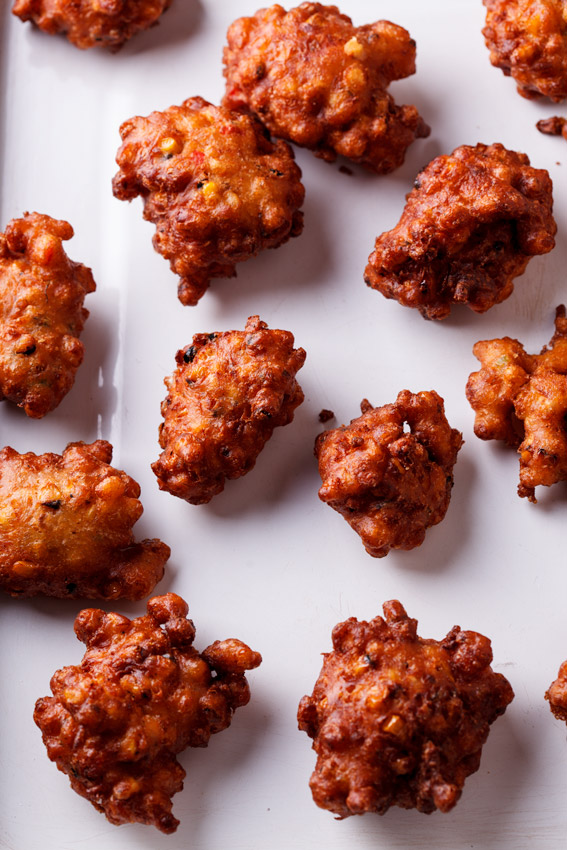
(554, 126)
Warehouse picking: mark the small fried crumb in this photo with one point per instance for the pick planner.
(554, 126)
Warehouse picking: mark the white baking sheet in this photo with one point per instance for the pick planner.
(266, 561)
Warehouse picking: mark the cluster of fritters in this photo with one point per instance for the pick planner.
(395, 719)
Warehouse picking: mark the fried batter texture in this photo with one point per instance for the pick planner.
(527, 39)
(389, 484)
(521, 399)
(557, 694)
(398, 720)
(469, 227)
(66, 527)
(140, 696)
(92, 23)
(228, 393)
(41, 313)
(217, 189)
(318, 81)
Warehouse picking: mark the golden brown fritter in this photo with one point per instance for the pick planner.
(527, 39)
(554, 126)
(217, 189)
(92, 23)
(318, 81)
(66, 527)
(557, 694)
(521, 399)
(390, 482)
(469, 227)
(228, 393)
(397, 720)
(140, 696)
(41, 313)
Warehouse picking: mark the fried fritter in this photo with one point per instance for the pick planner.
(469, 227)
(554, 126)
(318, 81)
(397, 720)
(92, 23)
(228, 393)
(557, 694)
(390, 484)
(527, 39)
(217, 189)
(140, 696)
(41, 313)
(521, 399)
(66, 527)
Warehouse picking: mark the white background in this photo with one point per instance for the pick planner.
(266, 561)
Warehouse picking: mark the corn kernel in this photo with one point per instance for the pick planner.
(24, 569)
(398, 465)
(336, 100)
(169, 146)
(355, 77)
(504, 360)
(73, 696)
(533, 24)
(374, 698)
(128, 748)
(26, 345)
(109, 487)
(232, 200)
(126, 788)
(394, 725)
(209, 189)
(361, 666)
(316, 20)
(152, 729)
(526, 457)
(130, 685)
(524, 52)
(353, 47)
